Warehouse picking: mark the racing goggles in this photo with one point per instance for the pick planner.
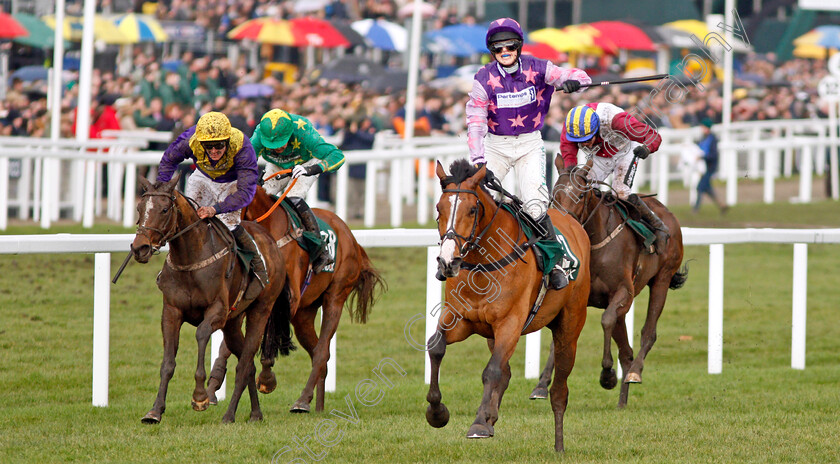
(511, 45)
(214, 145)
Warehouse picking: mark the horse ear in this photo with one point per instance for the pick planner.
(173, 181)
(439, 170)
(481, 173)
(144, 183)
(559, 162)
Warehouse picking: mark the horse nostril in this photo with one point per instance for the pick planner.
(456, 262)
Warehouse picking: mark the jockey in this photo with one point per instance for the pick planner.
(289, 141)
(225, 179)
(506, 109)
(612, 138)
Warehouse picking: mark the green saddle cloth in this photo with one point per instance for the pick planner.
(310, 241)
(641, 229)
(552, 252)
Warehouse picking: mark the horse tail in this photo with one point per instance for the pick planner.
(679, 278)
(365, 293)
(278, 331)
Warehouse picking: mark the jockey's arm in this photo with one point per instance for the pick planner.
(637, 131)
(476, 112)
(245, 164)
(331, 157)
(176, 152)
(568, 150)
(555, 75)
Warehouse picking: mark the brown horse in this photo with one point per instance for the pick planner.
(203, 283)
(354, 277)
(494, 297)
(620, 268)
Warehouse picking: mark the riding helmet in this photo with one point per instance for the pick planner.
(275, 129)
(212, 126)
(582, 123)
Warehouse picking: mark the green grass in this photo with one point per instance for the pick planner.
(757, 410)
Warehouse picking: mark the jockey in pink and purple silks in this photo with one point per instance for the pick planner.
(505, 112)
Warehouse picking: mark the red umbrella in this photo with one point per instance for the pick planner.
(543, 51)
(317, 32)
(624, 35)
(10, 27)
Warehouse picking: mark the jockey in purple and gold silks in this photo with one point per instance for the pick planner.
(226, 176)
(505, 112)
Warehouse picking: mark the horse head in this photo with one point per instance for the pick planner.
(571, 188)
(157, 218)
(460, 210)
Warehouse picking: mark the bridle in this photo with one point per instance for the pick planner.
(467, 244)
(169, 233)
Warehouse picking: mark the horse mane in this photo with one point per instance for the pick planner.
(460, 170)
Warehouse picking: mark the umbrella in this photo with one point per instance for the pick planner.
(30, 73)
(543, 51)
(592, 37)
(827, 36)
(254, 90)
(427, 10)
(388, 81)
(570, 41)
(348, 69)
(624, 35)
(103, 29)
(317, 33)
(348, 32)
(10, 27)
(457, 40)
(383, 34)
(140, 28)
(700, 30)
(264, 30)
(40, 35)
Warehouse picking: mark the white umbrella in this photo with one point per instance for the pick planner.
(382, 34)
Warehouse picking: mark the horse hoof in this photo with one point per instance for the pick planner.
(268, 384)
(256, 417)
(633, 377)
(151, 418)
(228, 420)
(300, 407)
(479, 431)
(200, 405)
(608, 379)
(437, 416)
(539, 393)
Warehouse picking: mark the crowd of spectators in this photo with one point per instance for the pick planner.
(171, 93)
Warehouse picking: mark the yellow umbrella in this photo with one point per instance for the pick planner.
(817, 52)
(140, 28)
(103, 29)
(692, 26)
(561, 40)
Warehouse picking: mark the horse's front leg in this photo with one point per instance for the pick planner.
(214, 318)
(621, 299)
(217, 374)
(245, 368)
(170, 326)
(494, 376)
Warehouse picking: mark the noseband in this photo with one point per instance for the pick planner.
(169, 233)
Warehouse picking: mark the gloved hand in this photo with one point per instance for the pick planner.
(570, 86)
(301, 170)
(642, 151)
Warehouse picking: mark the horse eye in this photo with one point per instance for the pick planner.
(473, 210)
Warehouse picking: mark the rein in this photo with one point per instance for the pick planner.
(279, 200)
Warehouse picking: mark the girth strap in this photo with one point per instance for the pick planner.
(198, 265)
(607, 240)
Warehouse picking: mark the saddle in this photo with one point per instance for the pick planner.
(631, 216)
(310, 241)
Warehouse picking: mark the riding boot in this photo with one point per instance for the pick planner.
(556, 278)
(660, 230)
(247, 243)
(322, 258)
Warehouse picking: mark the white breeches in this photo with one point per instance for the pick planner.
(618, 166)
(205, 192)
(277, 186)
(526, 155)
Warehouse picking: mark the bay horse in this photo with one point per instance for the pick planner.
(353, 278)
(203, 283)
(494, 290)
(620, 269)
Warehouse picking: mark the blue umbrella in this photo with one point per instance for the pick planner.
(829, 36)
(254, 90)
(382, 34)
(30, 73)
(457, 40)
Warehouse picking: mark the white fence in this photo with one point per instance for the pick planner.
(757, 150)
(103, 245)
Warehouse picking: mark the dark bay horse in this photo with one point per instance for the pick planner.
(203, 283)
(491, 292)
(620, 268)
(354, 277)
